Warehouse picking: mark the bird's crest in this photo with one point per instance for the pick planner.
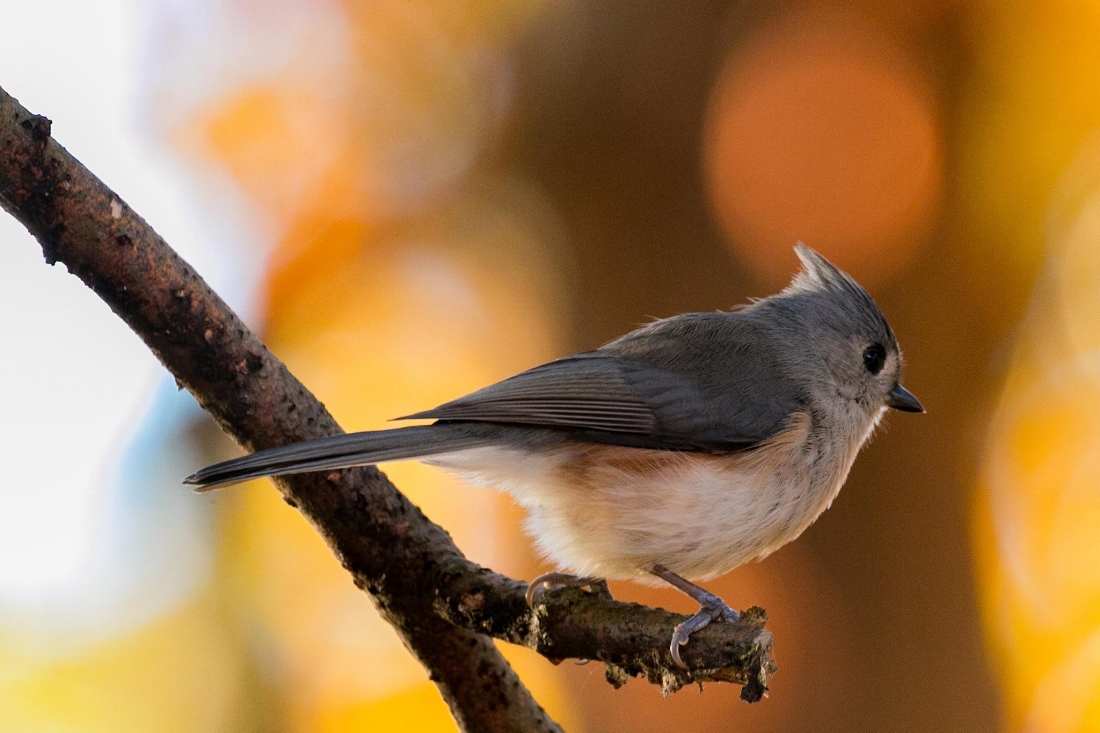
(819, 276)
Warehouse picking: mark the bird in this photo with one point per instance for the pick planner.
(673, 454)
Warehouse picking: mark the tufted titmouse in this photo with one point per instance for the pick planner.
(680, 450)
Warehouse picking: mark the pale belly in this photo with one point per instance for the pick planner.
(614, 512)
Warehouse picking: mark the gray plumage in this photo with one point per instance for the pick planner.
(709, 382)
(683, 448)
(692, 382)
(337, 451)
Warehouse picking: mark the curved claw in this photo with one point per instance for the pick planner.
(702, 618)
(711, 608)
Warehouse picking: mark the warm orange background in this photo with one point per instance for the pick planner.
(455, 191)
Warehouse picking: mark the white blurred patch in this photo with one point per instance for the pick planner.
(76, 380)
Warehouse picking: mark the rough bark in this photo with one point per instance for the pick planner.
(444, 607)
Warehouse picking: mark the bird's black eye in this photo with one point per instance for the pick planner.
(874, 356)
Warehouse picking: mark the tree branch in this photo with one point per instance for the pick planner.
(444, 607)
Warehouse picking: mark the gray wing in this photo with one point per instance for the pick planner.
(701, 381)
(587, 391)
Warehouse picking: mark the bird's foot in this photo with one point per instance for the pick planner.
(711, 608)
(718, 611)
(554, 581)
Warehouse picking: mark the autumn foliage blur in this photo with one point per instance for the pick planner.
(453, 192)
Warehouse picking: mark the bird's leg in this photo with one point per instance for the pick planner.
(553, 581)
(711, 608)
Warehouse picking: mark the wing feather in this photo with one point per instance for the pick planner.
(701, 381)
(586, 392)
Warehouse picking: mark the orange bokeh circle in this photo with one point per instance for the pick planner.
(822, 130)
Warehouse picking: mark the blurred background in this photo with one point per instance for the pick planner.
(413, 198)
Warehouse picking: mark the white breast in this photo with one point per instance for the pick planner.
(615, 512)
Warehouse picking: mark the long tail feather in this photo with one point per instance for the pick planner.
(338, 451)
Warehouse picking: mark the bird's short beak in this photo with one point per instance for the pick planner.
(902, 399)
